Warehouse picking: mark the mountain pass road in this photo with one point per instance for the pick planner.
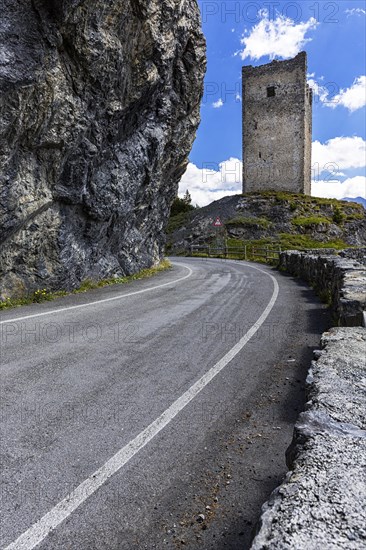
(154, 414)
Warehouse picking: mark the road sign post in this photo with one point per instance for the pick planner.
(220, 234)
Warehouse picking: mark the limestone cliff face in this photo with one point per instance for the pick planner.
(99, 108)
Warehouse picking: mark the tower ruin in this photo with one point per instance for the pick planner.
(277, 126)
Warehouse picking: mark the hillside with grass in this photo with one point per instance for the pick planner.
(285, 220)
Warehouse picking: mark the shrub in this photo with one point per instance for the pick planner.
(248, 222)
(309, 221)
(180, 205)
(176, 222)
(338, 215)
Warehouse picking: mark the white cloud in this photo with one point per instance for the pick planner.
(202, 197)
(237, 97)
(217, 104)
(280, 37)
(351, 187)
(352, 98)
(339, 153)
(321, 91)
(355, 11)
(212, 181)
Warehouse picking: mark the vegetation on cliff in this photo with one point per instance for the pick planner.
(274, 219)
(44, 295)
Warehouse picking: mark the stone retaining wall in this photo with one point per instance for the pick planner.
(340, 279)
(322, 501)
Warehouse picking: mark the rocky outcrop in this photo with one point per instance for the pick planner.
(281, 218)
(322, 501)
(99, 108)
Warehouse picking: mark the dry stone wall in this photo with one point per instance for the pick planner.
(341, 279)
(322, 501)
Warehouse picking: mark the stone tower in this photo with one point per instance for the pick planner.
(277, 125)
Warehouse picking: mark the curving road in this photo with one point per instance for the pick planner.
(128, 411)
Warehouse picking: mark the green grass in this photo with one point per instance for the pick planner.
(284, 241)
(235, 243)
(324, 295)
(288, 241)
(309, 221)
(303, 200)
(248, 222)
(335, 202)
(280, 195)
(307, 212)
(338, 215)
(37, 297)
(356, 216)
(43, 295)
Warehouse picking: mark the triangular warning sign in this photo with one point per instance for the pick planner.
(217, 222)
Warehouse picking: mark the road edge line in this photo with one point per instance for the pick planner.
(35, 534)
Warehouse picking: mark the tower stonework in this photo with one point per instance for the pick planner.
(277, 126)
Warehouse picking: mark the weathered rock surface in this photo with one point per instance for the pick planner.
(99, 108)
(337, 383)
(276, 214)
(341, 279)
(322, 501)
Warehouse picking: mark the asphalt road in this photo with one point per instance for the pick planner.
(128, 411)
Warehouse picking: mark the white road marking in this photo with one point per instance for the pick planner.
(39, 531)
(69, 308)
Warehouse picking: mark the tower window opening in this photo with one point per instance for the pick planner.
(260, 155)
(271, 92)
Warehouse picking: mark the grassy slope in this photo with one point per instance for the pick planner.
(306, 213)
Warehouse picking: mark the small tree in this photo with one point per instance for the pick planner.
(180, 205)
(187, 197)
(338, 215)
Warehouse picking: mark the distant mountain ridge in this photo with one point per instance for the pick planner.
(360, 200)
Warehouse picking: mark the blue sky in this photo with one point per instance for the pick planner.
(254, 32)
